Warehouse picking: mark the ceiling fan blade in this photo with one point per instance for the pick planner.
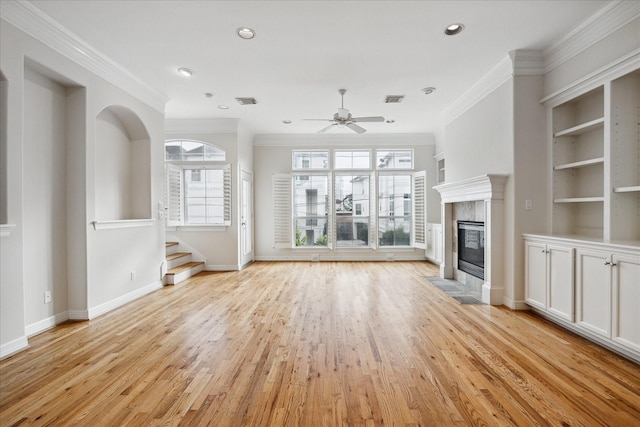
(368, 119)
(354, 127)
(327, 128)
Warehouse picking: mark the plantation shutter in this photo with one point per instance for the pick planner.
(419, 209)
(282, 227)
(330, 206)
(227, 194)
(373, 212)
(173, 195)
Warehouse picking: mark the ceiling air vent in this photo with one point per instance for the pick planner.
(246, 101)
(393, 99)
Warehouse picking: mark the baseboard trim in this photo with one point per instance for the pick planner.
(78, 315)
(211, 267)
(515, 305)
(325, 257)
(44, 324)
(101, 309)
(13, 347)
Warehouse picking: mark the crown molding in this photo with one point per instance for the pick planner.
(527, 62)
(498, 75)
(182, 126)
(355, 140)
(31, 20)
(607, 20)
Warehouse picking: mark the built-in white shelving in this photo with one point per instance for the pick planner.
(579, 164)
(582, 128)
(596, 161)
(632, 189)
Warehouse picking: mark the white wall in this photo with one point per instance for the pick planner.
(113, 168)
(273, 155)
(52, 106)
(45, 245)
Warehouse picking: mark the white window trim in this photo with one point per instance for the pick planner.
(341, 150)
(183, 165)
(410, 168)
(317, 150)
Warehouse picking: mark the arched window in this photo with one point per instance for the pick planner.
(198, 188)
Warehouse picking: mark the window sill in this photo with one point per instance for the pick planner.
(6, 229)
(198, 228)
(122, 223)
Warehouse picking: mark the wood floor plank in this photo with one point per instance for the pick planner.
(315, 344)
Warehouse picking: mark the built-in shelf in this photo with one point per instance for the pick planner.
(579, 200)
(6, 229)
(580, 164)
(122, 223)
(583, 128)
(632, 189)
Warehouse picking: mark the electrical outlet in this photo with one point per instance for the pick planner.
(133, 275)
(47, 297)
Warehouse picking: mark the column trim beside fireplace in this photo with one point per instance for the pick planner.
(489, 189)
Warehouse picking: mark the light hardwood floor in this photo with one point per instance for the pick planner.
(315, 344)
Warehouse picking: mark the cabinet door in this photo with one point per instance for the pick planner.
(437, 243)
(626, 300)
(536, 274)
(593, 291)
(560, 278)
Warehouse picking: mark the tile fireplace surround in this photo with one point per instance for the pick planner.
(488, 189)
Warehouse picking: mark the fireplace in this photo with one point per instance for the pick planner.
(471, 247)
(487, 193)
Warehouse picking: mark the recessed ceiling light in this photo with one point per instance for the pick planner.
(428, 90)
(286, 122)
(391, 121)
(453, 29)
(185, 72)
(223, 107)
(246, 33)
(208, 95)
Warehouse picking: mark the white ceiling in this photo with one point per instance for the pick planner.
(304, 51)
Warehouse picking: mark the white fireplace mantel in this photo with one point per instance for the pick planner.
(490, 190)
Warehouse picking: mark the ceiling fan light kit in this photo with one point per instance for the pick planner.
(343, 118)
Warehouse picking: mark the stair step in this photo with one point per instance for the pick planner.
(179, 269)
(171, 257)
(169, 244)
(182, 272)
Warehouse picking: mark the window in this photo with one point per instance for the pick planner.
(349, 205)
(398, 159)
(352, 159)
(352, 225)
(309, 160)
(198, 189)
(310, 209)
(394, 210)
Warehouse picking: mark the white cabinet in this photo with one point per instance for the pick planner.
(602, 303)
(593, 291)
(434, 245)
(608, 295)
(549, 283)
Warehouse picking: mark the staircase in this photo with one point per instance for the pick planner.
(179, 264)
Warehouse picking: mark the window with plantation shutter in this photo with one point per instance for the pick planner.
(282, 227)
(173, 194)
(198, 186)
(419, 205)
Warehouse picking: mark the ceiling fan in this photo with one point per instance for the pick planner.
(343, 118)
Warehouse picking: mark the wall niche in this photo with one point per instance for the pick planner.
(122, 166)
